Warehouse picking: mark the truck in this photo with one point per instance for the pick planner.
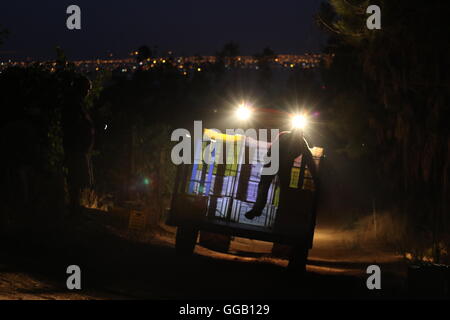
(212, 199)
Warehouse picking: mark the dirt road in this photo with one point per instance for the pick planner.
(113, 267)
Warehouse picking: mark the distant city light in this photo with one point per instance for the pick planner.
(195, 63)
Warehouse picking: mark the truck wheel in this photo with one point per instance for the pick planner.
(298, 259)
(185, 240)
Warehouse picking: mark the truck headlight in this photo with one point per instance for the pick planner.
(299, 121)
(243, 112)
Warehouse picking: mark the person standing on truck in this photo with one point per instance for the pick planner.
(292, 144)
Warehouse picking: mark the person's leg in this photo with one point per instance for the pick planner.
(261, 198)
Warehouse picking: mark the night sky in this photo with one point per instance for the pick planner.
(185, 27)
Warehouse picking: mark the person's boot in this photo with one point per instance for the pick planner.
(256, 211)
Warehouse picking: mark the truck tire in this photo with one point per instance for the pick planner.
(185, 241)
(298, 259)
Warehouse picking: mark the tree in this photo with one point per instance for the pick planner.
(264, 61)
(229, 53)
(401, 71)
(144, 53)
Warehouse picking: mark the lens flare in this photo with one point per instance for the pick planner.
(299, 121)
(243, 112)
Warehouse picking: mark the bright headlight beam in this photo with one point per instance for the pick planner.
(299, 121)
(243, 112)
